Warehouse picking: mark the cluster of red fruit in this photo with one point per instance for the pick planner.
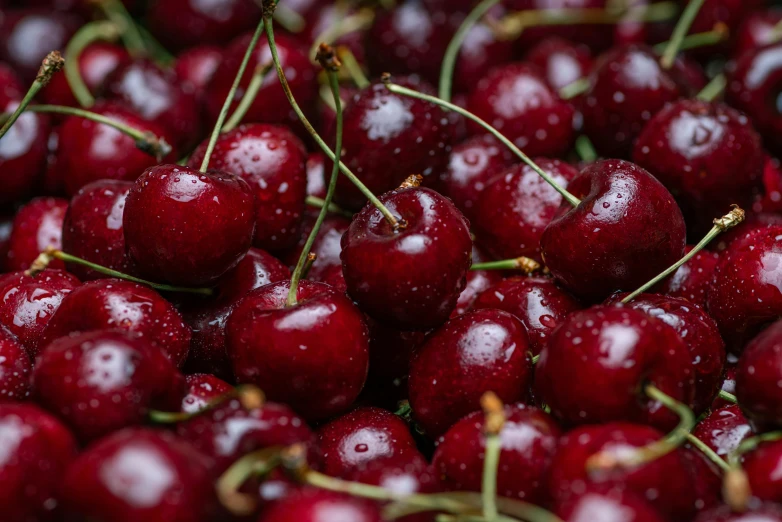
(231, 325)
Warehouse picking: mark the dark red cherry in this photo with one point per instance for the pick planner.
(516, 206)
(761, 465)
(758, 374)
(706, 479)
(15, 369)
(361, 436)
(6, 225)
(537, 302)
(318, 505)
(109, 304)
(691, 280)
(767, 512)
(729, 13)
(478, 281)
(695, 148)
(155, 94)
(665, 480)
(770, 199)
(316, 180)
(139, 474)
(603, 502)
(28, 303)
(179, 24)
(12, 87)
(92, 229)
(480, 351)
(627, 87)
(626, 230)
(561, 61)
(597, 361)
(397, 277)
(37, 449)
(389, 137)
(747, 230)
(327, 246)
(196, 66)
(271, 159)
(481, 51)
(723, 430)
(230, 431)
(202, 389)
(188, 227)
(529, 442)
(312, 356)
(37, 225)
(756, 30)
(99, 382)
(516, 100)
(88, 151)
(30, 34)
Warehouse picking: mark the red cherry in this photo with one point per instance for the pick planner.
(760, 465)
(763, 513)
(99, 382)
(599, 502)
(6, 224)
(327, 246)
(202, 388)
(37, 226)
(562, 61)
(478, 281)
(481, 51)
(15, 369)
(756, 30)
(758, 374)
(723, 430)
(770, 200)
(691, 280)
(480, 351)
(329, 15)
(196, 66)
(317, 505)
(726, 12)
(316, 180)
(706, 478)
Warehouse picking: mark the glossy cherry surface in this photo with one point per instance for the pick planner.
(691, 280)
(767, 512)
(756, 30)
(760, 465)
(758, 374)
(30, 34)
(36, 226)
(561, 61)
(478, 281)
(202, 388)
(196, 66)
(327, 246)
(15, 368)
(723, 430)
(598, 502)
(481, 51)
(317, 505)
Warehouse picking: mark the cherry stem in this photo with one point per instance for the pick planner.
(88, 34)
(693, 41)
(345, 25)
(257, 463)
(289, 19)
(452, 52)
(259, 75)
(231, 94)
(606, 460)
(713, 89)
(155, 48)
(679, 32)
(51, 64)
(585, 150)
(317, 202)
(708, 452)
(736, 489)
(116, 12)
(535, 359)
(250, 397)
(353, 67)
(404, 410)
(268, 11)
(573, 89)
(729, 220)
(751, 444)
(725, 396)
(50, 254)
(776, 32)
(494, 421)
(398, 89)
(522, 263)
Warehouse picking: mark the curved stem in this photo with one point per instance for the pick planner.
(230, 98)
(452, 52)
(250, 397)
(353, 67)
(679, 32)
(345, 25)
(693, 41)
(522, 263)
(259, 75)
(253, 464)
(729, 220)
(725, 396)
(713, 88)
(89, 33)
(316, 202)
(573, 89)
(131, 36)
(292, 21)
(50, 65)
(46, 257)
(585, 150)
(710, 454)
(398, 89)
(311, 130)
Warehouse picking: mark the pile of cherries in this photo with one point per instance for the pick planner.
(543, 284)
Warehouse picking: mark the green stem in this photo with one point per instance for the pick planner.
(703, 448)
(573, 89)
(751, 444)
(491, 463)
(679, 32)
(693, 41)
(250, 397)
(525, 264)
(249, 97)
(353, 67)
(50, 65)
(452, 52)
(535, 359)
(731, 219)
(316, 202)
(289, 19)
(89, 33)
(155, 48)
(725, 396)
(398, 89)
(585, 150)
(253, 464)
(713, 88)
(131, 36)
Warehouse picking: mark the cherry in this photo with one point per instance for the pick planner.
(389, 137)
(88, 151)
(598, 502)
(6, 225)
(109, 304)
(180, 24)
(410, 288)
(756, 30)
(760, 465)
(627, 87)
(746, 231)
(327, 246)
(316, 505)
(771, 198)
(15, 369)
(316, 176)
(202, 388)
(707, 479)
(102, 381)
(562, 61)
(695, 148)
(480, 351)
(529, 441)
(478, 281)
(516, 206)
(271, 159)
(727, 12)
(691, 280)
(139, 474)
(758, 373)
(11, 83)
(390, 351)
(763, 513)
(364, 435)
(723, 430)
(537, 302)
(312, 355)
(516, 100)
(481, 51)
(729, 386)
(33, 441)
(37, 225)
(28, 303)
(597, 361)
(188, 227)
(196, 66)
(665, 480)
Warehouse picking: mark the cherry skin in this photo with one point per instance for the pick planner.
(692, 280)
(478, 281)
(312, 356)
(196, 66)
(391, 137)
(188, 227)
(758, 373)
(540, 128)
(397, 277)
(92, 228)
(327, 246)
(109, 304)
(561, 61)
(317, 505)
(364, 435)
(202, 388)
(767, 512)
(529, 441)
(28, 303)
(706, 479)
(33, 441)
(6, 224)
(271, 159)
(756, 30)
(597, 361)
(480, 52)
(760, 465)
(137, 458)
(37, 225)
(516, 206)
(15, 369)
(598, 502)
(99, 382)
(770, 200)
(729, 13)
(629, 225)
(723, 430)
(480, 351)
(537, 302)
